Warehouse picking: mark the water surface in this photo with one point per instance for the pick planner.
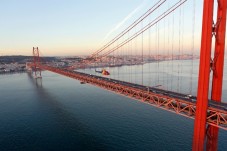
(58, 113)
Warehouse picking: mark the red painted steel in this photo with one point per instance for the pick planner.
(219, 31)
(204, 76)
(204, 115)
(36, 62)
(215, 116)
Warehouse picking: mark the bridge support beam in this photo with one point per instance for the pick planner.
(219, 30)
(204, 76)
(208, 30)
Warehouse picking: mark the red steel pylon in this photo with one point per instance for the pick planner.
(36, 62)
(207, 64)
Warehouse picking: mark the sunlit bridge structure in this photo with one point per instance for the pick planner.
(154, 37)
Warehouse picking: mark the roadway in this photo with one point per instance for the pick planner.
(185, 97)
(182, 104)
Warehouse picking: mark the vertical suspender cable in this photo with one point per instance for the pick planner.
(131, 61)
(113, 66)
(142, 54)
(118, 57)
(128, 58)
(123, 55)
(164, 53)
(168, 51)
(158, 54)
(172, 53)
(149, 47)
(182, 47)
(179, 50)
(135, 58)
(193, 47)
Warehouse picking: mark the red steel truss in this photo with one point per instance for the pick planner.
(208, 119)
(215, 117)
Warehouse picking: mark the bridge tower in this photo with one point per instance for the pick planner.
(206, 137)
(36, 62)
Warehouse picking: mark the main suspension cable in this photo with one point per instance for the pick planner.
(155, 21)
(135, 23)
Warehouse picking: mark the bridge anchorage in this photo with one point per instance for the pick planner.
(210, 114)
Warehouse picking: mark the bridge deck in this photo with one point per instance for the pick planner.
(171, 101)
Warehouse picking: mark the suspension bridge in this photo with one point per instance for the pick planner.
(159, 37)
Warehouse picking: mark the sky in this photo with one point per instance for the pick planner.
(75, 27)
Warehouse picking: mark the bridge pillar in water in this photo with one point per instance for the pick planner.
(207, 137)
(36, 63)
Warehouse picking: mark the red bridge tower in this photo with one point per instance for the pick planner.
(206, 137)
(36, 62)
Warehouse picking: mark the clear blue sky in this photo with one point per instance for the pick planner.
(63, 27)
